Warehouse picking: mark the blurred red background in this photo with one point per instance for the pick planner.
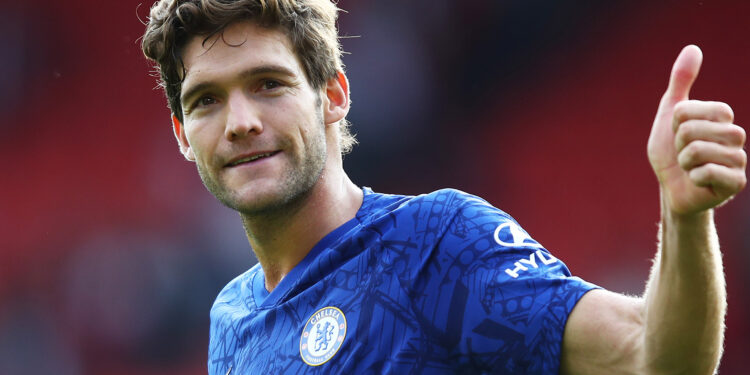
(111, 251)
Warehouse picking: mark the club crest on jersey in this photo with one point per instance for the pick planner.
(322, 336)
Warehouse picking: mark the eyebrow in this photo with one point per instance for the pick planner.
(259, 70)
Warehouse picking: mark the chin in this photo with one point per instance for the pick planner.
(271, 194)
(262, 201)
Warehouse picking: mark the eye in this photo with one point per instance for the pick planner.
(270, 84)
(205, 101)
(201, 104)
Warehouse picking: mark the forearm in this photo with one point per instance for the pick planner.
(678, 327)
(685, 297)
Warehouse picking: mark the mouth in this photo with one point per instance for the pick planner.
(250, 158)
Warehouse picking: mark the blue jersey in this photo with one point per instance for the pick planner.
(441, 283)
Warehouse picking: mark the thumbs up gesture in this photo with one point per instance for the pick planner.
(695, 149)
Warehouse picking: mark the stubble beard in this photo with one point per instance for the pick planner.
(294, 186)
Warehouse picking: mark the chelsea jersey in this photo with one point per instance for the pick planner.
(441, 283)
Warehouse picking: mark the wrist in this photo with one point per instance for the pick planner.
(685, 233)
(671, 215)
(702, 217)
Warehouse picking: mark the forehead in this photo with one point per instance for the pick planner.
(240, 46)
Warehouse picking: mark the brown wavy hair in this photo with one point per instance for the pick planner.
(310, 25)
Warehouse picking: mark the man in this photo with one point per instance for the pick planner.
(355, 282)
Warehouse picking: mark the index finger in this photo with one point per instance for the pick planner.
(701, 110)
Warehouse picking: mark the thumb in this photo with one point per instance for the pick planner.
(684, 72)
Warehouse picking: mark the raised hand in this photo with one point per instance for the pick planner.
(695, 149)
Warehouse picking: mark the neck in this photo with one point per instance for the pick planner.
(281, 239)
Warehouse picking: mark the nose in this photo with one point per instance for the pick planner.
(242, 117)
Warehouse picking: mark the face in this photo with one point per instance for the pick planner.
(253, 124)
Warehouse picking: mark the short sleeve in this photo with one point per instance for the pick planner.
(509, 295)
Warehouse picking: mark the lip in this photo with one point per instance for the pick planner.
(270, 153)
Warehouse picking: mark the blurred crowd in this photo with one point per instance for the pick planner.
(111, 250)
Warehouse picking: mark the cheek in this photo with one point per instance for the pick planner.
(311, 134)
(202, 147)
(296, 124)
(203, 135)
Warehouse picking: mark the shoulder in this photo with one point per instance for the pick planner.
(444, 202)
(435, 214)
(469, 218)
(234, 302)
(479, 237)
(420, 219)
(234, 296)
(485, 274)
(452, 202)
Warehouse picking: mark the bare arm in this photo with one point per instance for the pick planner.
(688, 277)
(677, 327)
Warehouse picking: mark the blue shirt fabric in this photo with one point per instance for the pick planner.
(441, 283)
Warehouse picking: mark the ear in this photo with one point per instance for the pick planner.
(337, 95)
(179, 133)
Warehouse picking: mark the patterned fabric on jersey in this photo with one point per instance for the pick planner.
(441, 283)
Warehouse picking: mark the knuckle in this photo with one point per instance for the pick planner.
(737, 134)
(736, 181)
(683, 136)
(684, 159)
(687, 128)
(691, 151)
(711, 170)
(735, 159)
(701, 175)
(681, 110)
(724, 112)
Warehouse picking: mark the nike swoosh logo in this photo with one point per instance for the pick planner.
(230, 370)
